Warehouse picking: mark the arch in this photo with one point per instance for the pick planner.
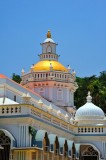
(89, 151)
(54, 143)
(70, 144)
(8, 134)
(40, 135)
(52, 138)
(42, 139)
(61, 143)
(77, 147)
(49, 49)
(7, 141)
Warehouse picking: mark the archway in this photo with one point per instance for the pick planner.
(5, 144)
(88, 153)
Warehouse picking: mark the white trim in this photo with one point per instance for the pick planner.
(7, 133)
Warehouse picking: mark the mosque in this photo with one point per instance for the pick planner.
(38, 119)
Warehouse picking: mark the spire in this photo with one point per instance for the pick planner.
(48, 34)
(89, 98)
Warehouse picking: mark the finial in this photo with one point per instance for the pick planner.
(69, 67)
(89, 98)
(48, 34)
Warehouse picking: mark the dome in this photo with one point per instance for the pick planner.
(48, 40)
(89, 111)
(45, 65)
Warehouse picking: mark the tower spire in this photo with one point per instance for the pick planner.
(48, 34)
(89, 98)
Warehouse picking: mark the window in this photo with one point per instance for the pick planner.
(49, 49)
(78, 130)
(15, 98)
(88, 129)
(42, 92)
(59, 94)
(95, 129)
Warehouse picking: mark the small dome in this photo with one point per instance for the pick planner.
(48, 40)
(89, 111)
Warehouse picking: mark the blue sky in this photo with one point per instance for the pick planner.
(78, 26)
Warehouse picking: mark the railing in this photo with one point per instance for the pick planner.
(7, 110)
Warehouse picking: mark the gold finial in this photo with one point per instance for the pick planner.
(48, 34)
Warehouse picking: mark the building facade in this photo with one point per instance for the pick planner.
(38, 120)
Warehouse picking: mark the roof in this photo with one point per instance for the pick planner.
(6, 101)
(2, 76)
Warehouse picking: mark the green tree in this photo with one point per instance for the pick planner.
(16, 78)
(97, 87)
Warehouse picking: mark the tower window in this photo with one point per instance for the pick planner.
(49, 49)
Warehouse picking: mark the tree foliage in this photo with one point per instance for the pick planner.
(97, 87)
(16, 78)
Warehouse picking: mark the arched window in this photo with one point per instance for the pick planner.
(42, 92)
(49, 49)
(59, 94)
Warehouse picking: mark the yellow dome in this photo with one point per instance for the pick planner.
(45, 65)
